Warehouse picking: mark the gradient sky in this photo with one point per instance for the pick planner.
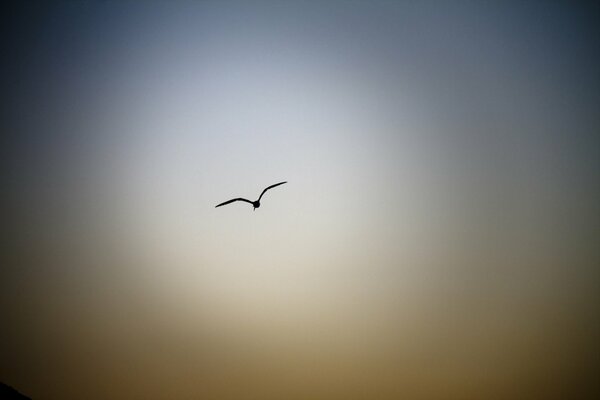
(438, 237)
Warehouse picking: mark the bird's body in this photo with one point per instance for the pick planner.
(255, 204)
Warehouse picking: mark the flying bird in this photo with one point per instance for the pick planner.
(256, 203)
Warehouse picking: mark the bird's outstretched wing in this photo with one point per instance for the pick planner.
(232, 200)
(270, 187)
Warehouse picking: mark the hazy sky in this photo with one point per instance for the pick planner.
(438, 237)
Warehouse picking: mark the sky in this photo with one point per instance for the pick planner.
(437, 237)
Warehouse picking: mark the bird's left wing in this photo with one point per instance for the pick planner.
(232, 200)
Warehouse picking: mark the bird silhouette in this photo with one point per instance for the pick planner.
(256, 203)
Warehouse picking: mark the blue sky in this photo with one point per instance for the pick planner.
(442, 203)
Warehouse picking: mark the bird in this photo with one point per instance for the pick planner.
(255, 204)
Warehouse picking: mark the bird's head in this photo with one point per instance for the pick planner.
(256, 204)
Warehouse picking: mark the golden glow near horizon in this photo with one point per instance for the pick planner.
(434, 239)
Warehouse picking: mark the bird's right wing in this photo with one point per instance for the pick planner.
(232, 200)
(270, 187)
